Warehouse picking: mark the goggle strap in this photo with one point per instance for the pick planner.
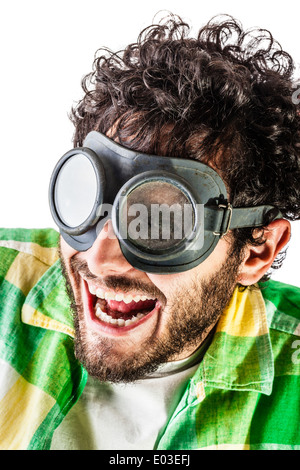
(228, 218)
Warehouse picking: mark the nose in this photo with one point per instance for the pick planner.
(105, 257)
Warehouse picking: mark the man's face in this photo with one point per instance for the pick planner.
(121, 338)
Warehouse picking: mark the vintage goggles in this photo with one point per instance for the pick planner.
(167, 213)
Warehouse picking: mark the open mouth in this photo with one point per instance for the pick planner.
(120, 310)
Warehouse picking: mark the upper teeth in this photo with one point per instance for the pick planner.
(127, 298)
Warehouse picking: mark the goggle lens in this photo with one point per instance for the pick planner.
(156, 216)
(75, 190)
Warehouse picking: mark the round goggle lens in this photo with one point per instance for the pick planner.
(75, 190)
(157, 216)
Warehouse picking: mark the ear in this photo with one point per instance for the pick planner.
(258, 259)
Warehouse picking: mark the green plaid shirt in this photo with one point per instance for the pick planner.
(244, 395)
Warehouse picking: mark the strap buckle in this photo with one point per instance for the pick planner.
(227, 208)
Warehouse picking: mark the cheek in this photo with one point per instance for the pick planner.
(66, 250)
(167, 283)
(216, 259)
(171, 282)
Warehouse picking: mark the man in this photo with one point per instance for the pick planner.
(167, 347)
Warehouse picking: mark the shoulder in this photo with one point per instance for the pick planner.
(41, 244)
(276, 414)
(25, 255)
(283, 314)
(19, 238)
(282, 306)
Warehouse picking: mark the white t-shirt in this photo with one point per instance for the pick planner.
(125, 416)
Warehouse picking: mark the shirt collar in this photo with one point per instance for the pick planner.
(240, 354)
(47, 304)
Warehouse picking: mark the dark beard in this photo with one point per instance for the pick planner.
(192, 315)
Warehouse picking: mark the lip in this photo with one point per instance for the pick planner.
(96, 324)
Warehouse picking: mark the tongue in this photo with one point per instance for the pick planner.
(131, 307)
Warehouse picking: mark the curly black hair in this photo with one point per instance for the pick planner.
(223, 97)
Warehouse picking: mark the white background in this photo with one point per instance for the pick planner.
(48, 46)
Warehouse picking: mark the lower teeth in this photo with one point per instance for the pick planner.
(117, 322)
